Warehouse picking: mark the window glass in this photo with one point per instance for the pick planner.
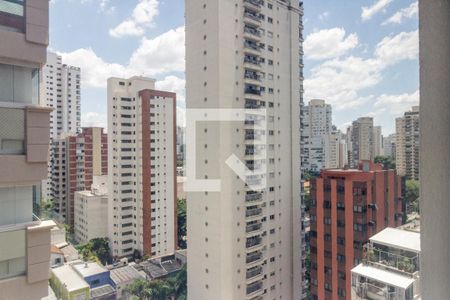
(19, 84)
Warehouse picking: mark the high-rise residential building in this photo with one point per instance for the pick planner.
(434, 20)
(24, 141)
(389, 146)
(348, 207)
(245, 242)
(76, 159)
(60, 90)
(407, 144)
(390, 268)
(91, 211)
(377, 140)
(362, 140)
(335, 150)
(317, 125)
(142, 184)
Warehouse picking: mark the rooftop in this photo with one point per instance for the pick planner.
(386, 277)
(398, 238)
(89, 269)
(67, 276)
(102, 291)
(125, 274)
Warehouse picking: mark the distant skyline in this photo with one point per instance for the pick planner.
(360, 56)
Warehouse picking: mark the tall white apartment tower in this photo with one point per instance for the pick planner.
(60, 90)
(362, 140)
(141, 168)
(377, 140)
(245, 243)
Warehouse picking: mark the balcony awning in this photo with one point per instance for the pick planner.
(386, 277)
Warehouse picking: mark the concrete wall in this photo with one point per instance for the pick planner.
(434, 18)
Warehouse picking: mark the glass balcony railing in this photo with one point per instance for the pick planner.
(253, 272)
(253, 227)
(254, 287)
(253, 197)
(12, 131)
(253, 212)
(251, 258)
(253, 241)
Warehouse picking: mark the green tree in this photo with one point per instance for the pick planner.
(154, 290)
(181, 223)
(412, 193)
(180, 284)
(387, 162)
(96, 250)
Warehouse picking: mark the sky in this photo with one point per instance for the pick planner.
(361, 56)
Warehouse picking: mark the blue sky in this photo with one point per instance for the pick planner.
(360, 56)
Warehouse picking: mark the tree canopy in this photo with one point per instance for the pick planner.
(387, 162)
(181, 222)
(96, 250)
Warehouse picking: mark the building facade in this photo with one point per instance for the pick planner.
(91, 211)
(348, 207)
(60, 90)
(75, 160)
(389, 147)
(317, 126)
(434, 21)
(245, 243)
(24, 140)
(142, 168)
(407, 144)
(362, 140)
(377, 141)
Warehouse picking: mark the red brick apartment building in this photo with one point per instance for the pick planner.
(76, 160)
(348, 207)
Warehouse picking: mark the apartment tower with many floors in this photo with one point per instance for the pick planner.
(407, 144)
(60, 90)
(362, 140)
(75, 160)
(245, 239)
(142, 168)
(24, 143)
(348, 206)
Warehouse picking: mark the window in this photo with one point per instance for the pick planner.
(19, 84)
(12, 15)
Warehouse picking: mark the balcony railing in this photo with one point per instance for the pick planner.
(253, 227)
(252, 15)
(252, 45)
(253, 212)
(252, 31)
(253, 241)
(251, 258)
(254, 287)
(255, 3)
(253, 272)
(253, 197)
(252, 61)
(393, 261)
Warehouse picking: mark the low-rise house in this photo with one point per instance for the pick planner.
(390, 269)
(163, 266)
(68, 285)
(56, 257)
(123, 277)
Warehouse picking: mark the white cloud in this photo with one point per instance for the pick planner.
(405, 13)
(142, 17)
(369, 11)
(173, 84)
(397, 104)
(161, 55)
(341, 80)
(93, 119)
(329, 43)
(324, 16)
(402, 46)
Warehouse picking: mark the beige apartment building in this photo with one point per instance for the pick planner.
(245, 242)
(407, 144)
(362, 140)
(24, 147)
(91, 211)
(142, 184)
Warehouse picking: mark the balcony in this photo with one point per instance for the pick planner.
(254, 289)
(253, 257)
(253, 197)
(253, 4)
(252, 33)
(393, 261)
(252, 17)
(252, 62)
(253, 212)
(253, 242)
(253, 272)
(252, 47)
(253, 228)
(24, 144)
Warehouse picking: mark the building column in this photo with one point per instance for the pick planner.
(434, 17)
